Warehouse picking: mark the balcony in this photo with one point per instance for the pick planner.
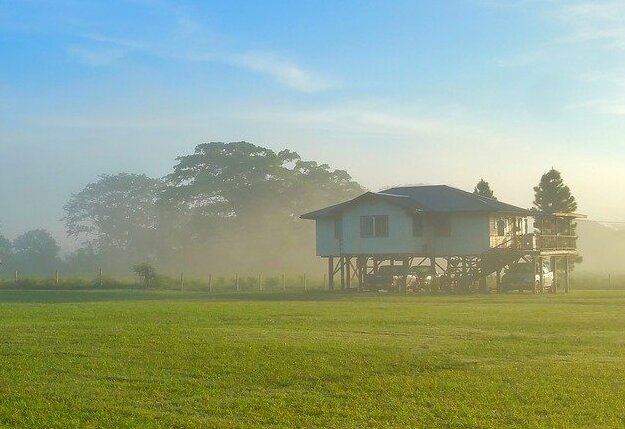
(556, 242)
(531, 242)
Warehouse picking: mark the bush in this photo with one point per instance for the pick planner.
(146, 272)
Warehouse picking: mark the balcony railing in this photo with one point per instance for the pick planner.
(534, 242)
(556, 242)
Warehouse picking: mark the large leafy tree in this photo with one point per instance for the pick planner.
(227, 180)
(117, 219)
(36, 252)
(552, 195)
(243, 201)
(117, 212)
(226, 206)
(483, 189)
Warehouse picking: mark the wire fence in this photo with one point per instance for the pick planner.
(275, 282)
(235, 282)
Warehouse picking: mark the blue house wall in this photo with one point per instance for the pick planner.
(469, 233)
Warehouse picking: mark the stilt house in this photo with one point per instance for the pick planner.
(459, 235)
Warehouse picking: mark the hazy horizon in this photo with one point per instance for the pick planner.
(430, 93)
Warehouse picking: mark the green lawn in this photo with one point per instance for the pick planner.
(126, 359)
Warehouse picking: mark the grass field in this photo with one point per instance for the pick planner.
(146, 359)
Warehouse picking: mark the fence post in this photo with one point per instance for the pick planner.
(236, 281)
(16, 276)
(56, 277)
(181, 282)
(210, 282)
(283, 283)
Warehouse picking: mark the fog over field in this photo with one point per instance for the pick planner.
(91, 88)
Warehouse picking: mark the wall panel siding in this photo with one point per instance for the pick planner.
(469, 233)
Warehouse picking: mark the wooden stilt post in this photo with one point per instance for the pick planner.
(404, 269)
(435, 282)
(567, 270)
(325, 275)
(536, 282)
(56, 277)
(330, 273)
(541, 274)
(100, 277)
(348, 273)
(16, 277)
(342, 262)
(554, 268)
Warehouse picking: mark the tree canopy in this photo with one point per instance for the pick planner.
(117, 212)
(226, 205)
(36, 251)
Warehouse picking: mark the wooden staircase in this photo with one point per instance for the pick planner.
(466, 274)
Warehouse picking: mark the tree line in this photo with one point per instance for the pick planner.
(223, 208)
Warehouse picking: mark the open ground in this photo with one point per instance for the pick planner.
(157, 359)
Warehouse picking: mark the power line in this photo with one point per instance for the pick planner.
(601, 221)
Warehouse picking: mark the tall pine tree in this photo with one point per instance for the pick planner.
(552, 195)
(483, 190)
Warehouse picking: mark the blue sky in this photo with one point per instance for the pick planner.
(396, 92)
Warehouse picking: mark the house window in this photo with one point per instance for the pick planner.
(442, 226)
(381, 226)
(417, 225)
(374, 226)
(501, 227)
(338, 229)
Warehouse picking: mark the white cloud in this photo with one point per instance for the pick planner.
(189, 41)
(283, 71)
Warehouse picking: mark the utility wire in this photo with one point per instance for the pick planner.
(601, 221)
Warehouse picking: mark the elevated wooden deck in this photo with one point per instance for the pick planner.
(537, 243)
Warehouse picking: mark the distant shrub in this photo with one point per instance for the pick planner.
(146, 272)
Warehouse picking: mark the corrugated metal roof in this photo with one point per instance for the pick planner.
(443, 198)
(435, 198)
(401, 200)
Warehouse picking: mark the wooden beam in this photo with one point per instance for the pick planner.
(331, 273)
(536, 287)
(554, 268)
(541, 274)
(566, 274)
(342, 268)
